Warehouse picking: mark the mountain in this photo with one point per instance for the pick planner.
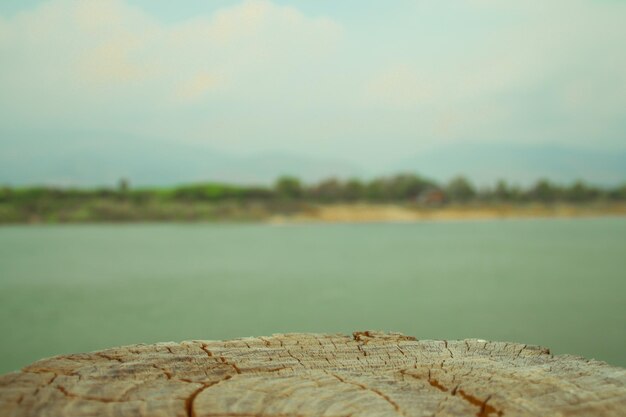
(484, 163)
(94, 159)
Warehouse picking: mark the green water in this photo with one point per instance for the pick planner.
(558, 283)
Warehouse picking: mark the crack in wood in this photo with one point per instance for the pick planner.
(264, 380)
(379, 393)
(189, 401)
(485, 410)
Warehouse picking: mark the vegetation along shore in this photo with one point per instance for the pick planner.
(404, 197)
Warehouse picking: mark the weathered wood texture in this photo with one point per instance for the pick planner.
(367, 374)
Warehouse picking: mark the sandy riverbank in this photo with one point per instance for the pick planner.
(356, 213)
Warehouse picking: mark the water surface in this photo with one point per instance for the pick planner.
(557, 283)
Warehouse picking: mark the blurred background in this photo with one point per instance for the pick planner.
(447, 169)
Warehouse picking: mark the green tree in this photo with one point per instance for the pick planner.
(5, 193)
(407, 186)
(502, 191)
(580, 192)
(544, 191)
(288, 187)
(354, 190)
(460, 190)
(123, 187)
(376, 190)
(618, 193)
(328, 190)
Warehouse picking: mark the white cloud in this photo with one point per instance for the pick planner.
(73, 58)
(507, 71)
(259, 76)
(398, 86)
(198, 86)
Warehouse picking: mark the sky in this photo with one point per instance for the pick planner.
(362, 85)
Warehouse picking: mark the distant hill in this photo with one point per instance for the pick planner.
(89, 159)
(523, 164)
(93, 159)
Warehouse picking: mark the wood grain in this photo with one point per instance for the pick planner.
(366, 374)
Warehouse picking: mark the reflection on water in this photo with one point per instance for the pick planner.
(558, 283)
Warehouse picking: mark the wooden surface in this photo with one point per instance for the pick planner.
(366, 374)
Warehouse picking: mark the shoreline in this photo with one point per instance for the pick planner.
(368, 213)
(345, 213)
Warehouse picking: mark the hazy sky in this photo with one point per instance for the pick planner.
(367, 82)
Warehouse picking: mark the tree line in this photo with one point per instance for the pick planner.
(402, 188)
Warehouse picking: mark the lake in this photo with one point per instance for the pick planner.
(560, 283)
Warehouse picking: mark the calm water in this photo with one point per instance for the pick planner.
(558, 283)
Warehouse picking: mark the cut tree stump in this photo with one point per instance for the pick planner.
(366, 374)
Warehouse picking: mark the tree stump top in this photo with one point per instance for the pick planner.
(366, 374)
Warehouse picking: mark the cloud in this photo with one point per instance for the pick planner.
(398, 86)
(506, 71)
(197, 86)
(258, 76)
(75, 61)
